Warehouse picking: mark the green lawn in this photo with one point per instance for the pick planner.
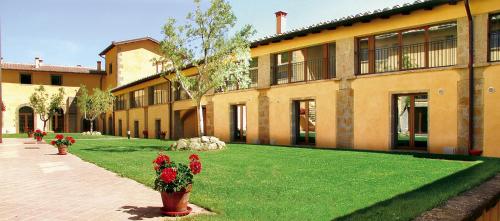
(256, 182)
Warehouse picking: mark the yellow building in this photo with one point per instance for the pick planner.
(389, 80)
(394, 79)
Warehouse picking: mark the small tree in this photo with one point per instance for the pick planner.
(206, 44)
(44, 106)
(94, 105)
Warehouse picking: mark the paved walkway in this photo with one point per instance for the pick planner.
(37, 184)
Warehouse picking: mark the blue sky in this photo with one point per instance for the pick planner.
(72, 32)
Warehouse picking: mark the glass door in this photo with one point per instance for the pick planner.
(305, 122)
(239, 123)
(411, 117)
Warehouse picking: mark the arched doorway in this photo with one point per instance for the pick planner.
(58, 120)
(26, 119)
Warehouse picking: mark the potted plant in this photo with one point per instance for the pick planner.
(62, 143)
(145, 133)
(39, 134)
(163, 135)
(29, 132)
(174, 182)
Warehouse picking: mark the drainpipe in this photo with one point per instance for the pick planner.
(470, 67)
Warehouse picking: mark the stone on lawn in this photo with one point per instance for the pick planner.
(199, 144)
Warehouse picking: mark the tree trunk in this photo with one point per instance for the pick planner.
(44, 124)
(201, 131)
(91, 126)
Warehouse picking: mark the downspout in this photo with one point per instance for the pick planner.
(470, 68)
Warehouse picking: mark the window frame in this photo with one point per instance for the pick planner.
(120, 102)
(134, 99)
(110, 68)
(162, 90)
(52, 79)
(372, 47)
(21, 74)
(490, 16)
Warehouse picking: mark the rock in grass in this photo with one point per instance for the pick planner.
(200, 144)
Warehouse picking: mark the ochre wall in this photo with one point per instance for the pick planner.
(134, 61)
(491, 88)
(16, 95)
(222, 119)
(280, 112)
(158, 112)
(372, 107)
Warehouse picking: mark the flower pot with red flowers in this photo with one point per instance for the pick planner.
(145, 134)
(39, 134)
(163, 135)
(174, 181)
(62, 143)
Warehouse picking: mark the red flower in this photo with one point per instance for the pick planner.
(156, 167)
(168, 175)
(53, 142)
(194, 157)
(70, 139)
(195, 167)
(38, 131)
(44, 133)
(59, 136)
(162, 159)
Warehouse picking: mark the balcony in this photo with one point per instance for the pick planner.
(432, 54)
(310, 70)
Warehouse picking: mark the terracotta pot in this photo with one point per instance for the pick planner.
(38, 139)
(63, 149)
(176, 203)
(30, 135)
(475, 152)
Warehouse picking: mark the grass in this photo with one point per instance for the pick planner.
(257, 182)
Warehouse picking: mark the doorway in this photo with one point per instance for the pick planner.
(58, 120)
(158, 128)
(120, 133)
(410, 121)
(239, 123)
(26, 119)
(136, 129)
(304, 122)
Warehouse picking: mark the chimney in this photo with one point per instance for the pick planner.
(280, 21)
(79, 65)
(98, 65)
(37, 62)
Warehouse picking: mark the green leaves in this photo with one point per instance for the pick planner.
(45, 106)
(96, 104)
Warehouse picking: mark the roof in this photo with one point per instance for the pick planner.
(133, 83)
(350, 20)
(50, 68)
(115, 43)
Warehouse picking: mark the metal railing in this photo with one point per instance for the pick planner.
(310, 70)
(440, 53)
(494, 46)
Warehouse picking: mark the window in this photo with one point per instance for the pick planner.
(120, 102)
(25, 78)
(110, 68)
(137, 98)
(494, 38)
(56, 79)
(254, 72)
(423, 47)
(307, 64)
(180, 94)
(158, 94)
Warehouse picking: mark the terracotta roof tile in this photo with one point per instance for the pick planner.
(50, 68)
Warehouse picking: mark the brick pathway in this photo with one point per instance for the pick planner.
(37, 184)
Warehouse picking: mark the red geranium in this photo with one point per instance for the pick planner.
(38, 131)
(168, 175)
(53, 142)
(194, 157)
(70, 139)
(195, 167)
(59, 136)
(161, 159)
(44, 133)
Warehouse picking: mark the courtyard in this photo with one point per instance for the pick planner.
(259, 182)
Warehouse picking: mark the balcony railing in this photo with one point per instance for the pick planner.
(494, 46)
(310, 70)
(440, 53)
